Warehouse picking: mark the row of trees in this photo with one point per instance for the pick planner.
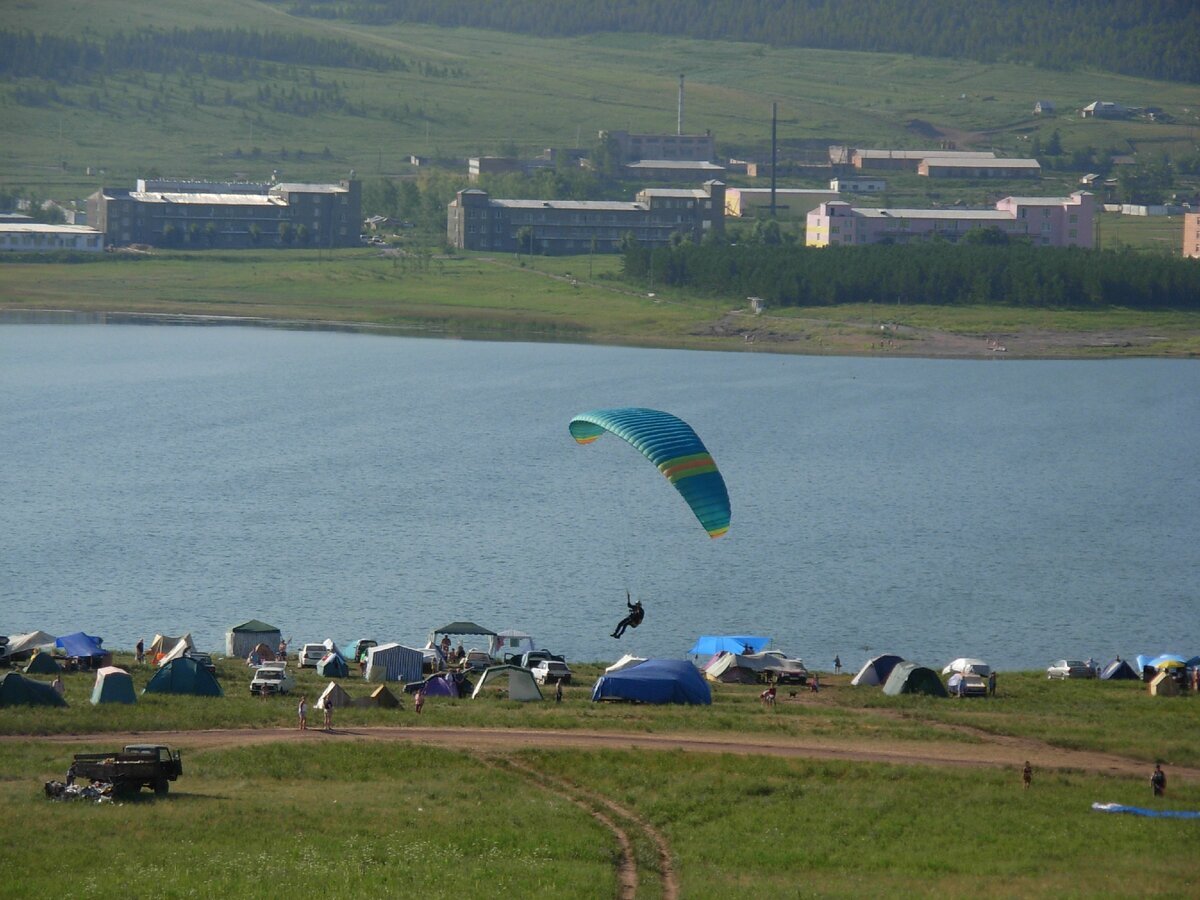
(937, 273)
(1148, 38)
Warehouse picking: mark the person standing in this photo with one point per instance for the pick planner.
(991, 684)
(558, 691)
(1027, 775)
(419, 701)
(140, 651)
(837, 665)
(302, 712)
(1158, 780)
(327, 703)
(58, 686)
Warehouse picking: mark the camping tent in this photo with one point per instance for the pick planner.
(164, 645)
(333, 691)
(17, 690)
(43, 663)
(183, 676)
(393, 662)
(876, 671)
(241, 639)
(177, 650)
(381, 697)
(655, 681)
(516, 681)
(708, 644)
(82, 647)
(113, 685)
(732, 668)
(1119, 670)
(1164, 685)
(264, 653)
(968, 666)
(624, 663)
(909, 678)
(332, 665)
(27, 643)
(443, 684)
(509, 641)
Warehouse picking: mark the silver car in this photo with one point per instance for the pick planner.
(1070, 668)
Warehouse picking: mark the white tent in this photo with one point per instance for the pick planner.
(179, 648)
(509, 641)
(23, 643)
(624, 663)
(241, 639)
(165, 644)
(875, 671)
(516, 681)
(393, 662)
(966, 665)
(341, 700)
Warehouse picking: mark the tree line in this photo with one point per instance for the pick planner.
(937, 273)
(227, 53)
(1146, 38)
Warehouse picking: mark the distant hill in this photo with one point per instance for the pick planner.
(1146, 38)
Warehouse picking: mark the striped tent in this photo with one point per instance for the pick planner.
(393, 662)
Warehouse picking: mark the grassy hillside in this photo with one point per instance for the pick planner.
(507, 92)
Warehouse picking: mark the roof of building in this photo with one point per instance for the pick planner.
(923, 154)
(296, 187)
(956, 161)
(697, 164)
(582, 205)
(208, 199)
(40, 228)
(682, 193)
(976, 214)
(1048, 201)
(786, 192)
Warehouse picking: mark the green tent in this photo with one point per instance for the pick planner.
(113, 685)
(909, 678)
(43, 664)
(184, 676)
(17, 690)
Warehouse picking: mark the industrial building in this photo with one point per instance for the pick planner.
(790, 203)
(201, 214)
(476, 221)
(34, 237)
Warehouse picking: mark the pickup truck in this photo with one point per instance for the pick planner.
(135, 767)
(272, 678)
(531, 658)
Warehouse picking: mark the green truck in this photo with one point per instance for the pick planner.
(136, 766)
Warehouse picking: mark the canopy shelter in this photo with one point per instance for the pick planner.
(967, 665)
(515, 682)
(20, 644)
(1119, 670)
(332, 665)
(81, 646)
(17, 690)
(910, 678)
(510, 641)
(876, 670)
(183, 676)
(241, 639)
(334, 695)
(625, 662)
(460, 630)
(393, 662)
(654, 681)
(708, 644)
(42, 663)
(113, 685)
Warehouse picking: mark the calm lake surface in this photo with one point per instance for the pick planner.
(175, 479)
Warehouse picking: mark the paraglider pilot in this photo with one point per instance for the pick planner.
(633, 620)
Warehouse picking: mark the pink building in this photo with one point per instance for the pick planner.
(1191, 235)
(1046, 221)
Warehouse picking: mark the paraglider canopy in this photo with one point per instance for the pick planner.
(672, 445)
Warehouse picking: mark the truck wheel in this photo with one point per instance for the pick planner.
(161, 787)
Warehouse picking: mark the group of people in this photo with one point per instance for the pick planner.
(302, 712)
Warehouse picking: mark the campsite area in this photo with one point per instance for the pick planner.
(828, 793)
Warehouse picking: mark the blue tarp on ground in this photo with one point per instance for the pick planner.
(709, 644)
(80, 645)
(1142, 811)
(655, 681)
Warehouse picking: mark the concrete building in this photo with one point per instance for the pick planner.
(908, 160)
(790, 203)
(632, 147)
(476, 221)
(683, 170)
(479, 166)
(229, 215)
(959, 167)
(34, 237)
(852, 185)
(1045, 221)
(1191, 235)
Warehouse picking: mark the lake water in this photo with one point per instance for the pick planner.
(178, 479)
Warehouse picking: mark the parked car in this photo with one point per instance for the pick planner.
(272, 678)
(550, 671)
(531, 658)
(1070, 668)
(311, 654)
(477, 660)
(204, 661)
(361, 646)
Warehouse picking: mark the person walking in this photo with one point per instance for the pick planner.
(1158, 780)
(302, 713)
(1027, 775)
(419, 701)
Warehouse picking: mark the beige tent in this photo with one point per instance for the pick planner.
(514, 681)
(179, 648)
(1164, 685)
(333, 691)
(164, 644)
(265, 653)
(381, 697)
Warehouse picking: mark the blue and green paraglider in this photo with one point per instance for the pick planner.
(672, 445)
